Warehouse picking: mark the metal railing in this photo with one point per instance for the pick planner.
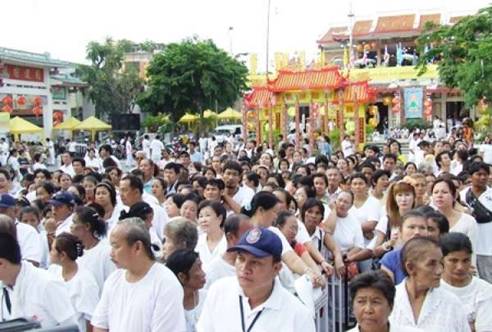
(332, 308)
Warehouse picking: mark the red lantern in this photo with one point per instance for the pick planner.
(37, 111)
(7, 109)
(21, 101)
(7, 100)
(38, 101)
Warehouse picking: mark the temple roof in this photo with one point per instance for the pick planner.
(397, 23)
(30, 58)
(310, 79)
(259, 98)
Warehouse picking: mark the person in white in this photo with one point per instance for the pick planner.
(474, 293)
(485, 150)
(63, 204)
(372, 295)
(253, 300)
(27, 236)
(66, 166)
(212, 241)
(235, 196)
(142, 295)
(129, 152)
(51, 151)
(30, 292)
(156, 147)
(146, 146)
(347, 146)
(89, 228)
(419, 301)
(4, 151)
(223, 266)
(80, 283)
(480, 194)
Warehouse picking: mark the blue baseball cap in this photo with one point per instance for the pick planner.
(259, 242)
(63, 197)
(7, 201)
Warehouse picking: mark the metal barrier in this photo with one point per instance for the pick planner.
(332, 308)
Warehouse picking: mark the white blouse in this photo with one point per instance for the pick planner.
(441, 311)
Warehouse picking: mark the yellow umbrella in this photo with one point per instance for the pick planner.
(68, 124)
(291, 111)
(187, 118)
(93, 125)
(230, 114)
(20, 126)
(209, 114)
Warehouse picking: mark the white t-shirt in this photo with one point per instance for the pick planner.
(192, 315)
(84, 294)
(369, 211)
(486, 149)
(483, 245)
(468, 226)
(29, 242)
(68, 170)
(97, 260)
(347, 148)
(64, 226)
(206, 256)
(441, 311)
(218, 269)
(286, 247)
(243, 196)
(282, 311)
(476, 298)
(154, 303)
(348, 233)
(38, 295)
(156, 148)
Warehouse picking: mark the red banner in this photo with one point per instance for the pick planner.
(23, 73)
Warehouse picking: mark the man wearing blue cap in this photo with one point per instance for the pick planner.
(63, 204)
(253, 300)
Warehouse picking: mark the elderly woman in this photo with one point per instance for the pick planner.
(419, 301)
(179, 233)
(372, 295)
(474, 293)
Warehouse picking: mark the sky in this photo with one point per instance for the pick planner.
(63, 28)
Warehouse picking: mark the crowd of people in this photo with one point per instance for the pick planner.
(228, 236)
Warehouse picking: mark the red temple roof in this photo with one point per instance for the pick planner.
(359, 92)
(310, 79)
(434, 18)
(333, 35)
(259, 98)
(395, 23)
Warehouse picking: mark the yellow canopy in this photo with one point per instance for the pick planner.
(291, 111)
(93, 124)
(68, 124)
(20, 126)
(209, 114)
(230, 114)
(188, 118)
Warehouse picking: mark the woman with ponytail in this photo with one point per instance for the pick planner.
(81, 285)
(90, 229)
(263, 212)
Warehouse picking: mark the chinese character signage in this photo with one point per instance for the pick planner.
(413, 98)
(23, 73)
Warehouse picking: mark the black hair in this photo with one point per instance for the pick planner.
(80, 160)
(378, 280)
(262, 199)
(173, 166)
(366, 164)
(478, 166)
(106, 147)
(109, 187)
(253, 177)
(449, 182)
(440, 219)
(320, 175)
(135, 182)
(178, 199)
(310, 203)
(30, 209)
(379, 173)
(109, 162)
(46, 173)
(410, 163)
(202, 181)
(234, 165)
(390, 156)
(99, 209)
(6, 173)
(439, 157)
(282, 218)
(321, 159)
(359, 176)
(218, 208)
(49, 187)
(181, 261)
(231, 224)
(89, 216)
(70, 245)
(214, 182)
(9, 248)
(455, 241)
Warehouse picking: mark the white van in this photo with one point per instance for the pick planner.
(221, 132)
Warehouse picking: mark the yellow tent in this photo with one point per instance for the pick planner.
(68, 124)
(20, 126)
(230, 114)
(209, 114)
(187, 118)
(93, 125)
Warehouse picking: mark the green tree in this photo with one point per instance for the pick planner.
(463, 53)
(191, 76)
(112, 88)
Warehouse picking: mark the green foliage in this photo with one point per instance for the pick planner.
(463, 53)
(191, 76)
(335, 140)
(112, 89)
(411, 124)
(158, 122)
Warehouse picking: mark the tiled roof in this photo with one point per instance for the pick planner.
(396, 23)
(331, 35)
(434, 18)
(311, 79)
(362, 28)
(259, 98)
(455, 19)
(40, 59)
(68, 80)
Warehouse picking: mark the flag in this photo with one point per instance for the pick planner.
(345, 57)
